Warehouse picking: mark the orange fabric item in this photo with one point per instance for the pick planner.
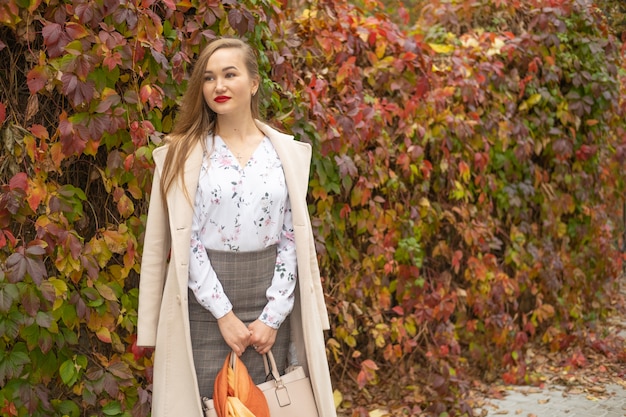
(235, 394)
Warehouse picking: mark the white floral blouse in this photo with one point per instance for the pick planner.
(242, 209)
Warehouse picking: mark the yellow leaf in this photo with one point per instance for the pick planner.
(380, 49)
(31, 146)
(106, 292)
(37, 192)
(534, 99)
(464, 170)
(338, 397)
(561, 229)
(60, 287)
(441, 49)
(56, 154)
(307, 14)
(378, 413)
(496, 47)
(104, 335)
(116, 241)
(108, 184)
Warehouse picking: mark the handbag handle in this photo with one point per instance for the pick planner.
(271, 366)
(280, 389)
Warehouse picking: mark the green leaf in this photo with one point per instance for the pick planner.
(9, 324)
(68, 372)
(112, 409)
(8, 294)
(66, 408)
(12, 362)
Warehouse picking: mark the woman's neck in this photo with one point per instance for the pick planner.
(236, 129)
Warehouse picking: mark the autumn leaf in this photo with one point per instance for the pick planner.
(441, 49)
(367, 375)
(16, 267)
(108, 98)
(3, 113)
(75, 30)
(36, 193)
(55, 39)
(104, 334)
(79, 92)
(19, 182)
(36, 78)
(9, 293)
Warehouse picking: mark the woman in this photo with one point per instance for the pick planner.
(229, 260)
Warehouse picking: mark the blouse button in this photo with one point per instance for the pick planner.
(178, 299)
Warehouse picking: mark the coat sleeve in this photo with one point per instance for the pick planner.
(317, 281)
(156, 248)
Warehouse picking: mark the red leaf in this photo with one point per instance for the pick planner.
(509, 378)
(39, 131)
(8, 235)
(83, 66)
(87, 13)
(76, 30)
(108, 98)
(3, 113)
(97, 124)
(151, 94)
(73, 145)
(30, 301)
(112, 59)
(368, 372)
(19, 181)
(120, 370)
(36, 193)
(55, 39)
(77, 91)
(170, 4)
(456, 260)
(8, 408)
(110, 384)
(16, 266)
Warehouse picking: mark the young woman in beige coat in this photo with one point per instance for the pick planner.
(219, 119)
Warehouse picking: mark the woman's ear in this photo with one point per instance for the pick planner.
(255, 85)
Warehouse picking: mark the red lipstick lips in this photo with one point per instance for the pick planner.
(221, 99)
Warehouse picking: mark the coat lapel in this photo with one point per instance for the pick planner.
(181, 212)
(295, 158)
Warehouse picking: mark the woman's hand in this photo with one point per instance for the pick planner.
(235, 333)
(262, 336)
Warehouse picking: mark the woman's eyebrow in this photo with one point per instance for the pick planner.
(231, 67)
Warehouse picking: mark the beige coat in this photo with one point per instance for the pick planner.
(163, 320)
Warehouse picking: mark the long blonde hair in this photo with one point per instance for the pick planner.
(195, 119)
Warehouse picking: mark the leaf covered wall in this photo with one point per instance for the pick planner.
(465, 193)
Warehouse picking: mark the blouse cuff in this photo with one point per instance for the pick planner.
(274, 317)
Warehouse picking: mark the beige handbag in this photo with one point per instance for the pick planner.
(288, 395)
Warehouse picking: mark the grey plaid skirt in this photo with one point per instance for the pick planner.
(245, 276)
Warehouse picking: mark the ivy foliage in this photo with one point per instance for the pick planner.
(89, 88)
(465, 190)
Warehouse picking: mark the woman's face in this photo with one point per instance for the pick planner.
(227, 87)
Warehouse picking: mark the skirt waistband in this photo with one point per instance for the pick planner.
(250, 256)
